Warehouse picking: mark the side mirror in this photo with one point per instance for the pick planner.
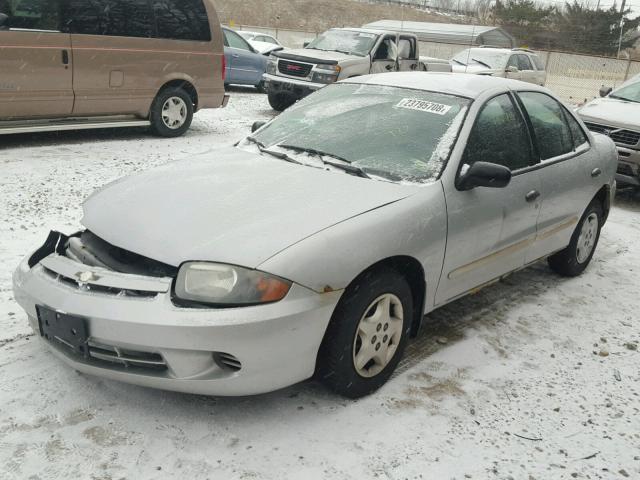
(257, 126)
(3, 19)
(512, 69)
(305, 44)
(604, 91)
(484, 174)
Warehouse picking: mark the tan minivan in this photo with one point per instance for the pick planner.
(79, 64)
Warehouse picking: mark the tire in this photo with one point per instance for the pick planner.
(574, 259)
(171, 113)
(280, 101)
(354, 325)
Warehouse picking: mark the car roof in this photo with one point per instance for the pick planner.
(459, 84)
(366, 30)
(255, 33)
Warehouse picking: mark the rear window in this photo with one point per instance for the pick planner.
(182, 20)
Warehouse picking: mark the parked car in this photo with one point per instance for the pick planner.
(516, 64)
(337, 54)
(108, 64)
(261, 42)
(318, 244)
(245, 65)
(617, 114)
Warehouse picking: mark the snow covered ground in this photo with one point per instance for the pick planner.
(534, 378)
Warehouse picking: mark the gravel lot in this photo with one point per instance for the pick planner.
(537, 377)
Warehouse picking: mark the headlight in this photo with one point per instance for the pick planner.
(272, 64)
(228, 285)
(326, 74)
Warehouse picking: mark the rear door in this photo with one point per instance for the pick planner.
(490, 229)
(527, 70)
(245, 67)
(566, 164)
(36, 68)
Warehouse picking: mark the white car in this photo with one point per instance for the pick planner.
(262, 42)
(516, 64)
(317, 244)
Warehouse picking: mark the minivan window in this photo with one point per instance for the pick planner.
(121, 18)
(31, 14)
(182, 20)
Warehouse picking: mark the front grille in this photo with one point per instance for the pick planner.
(294, 69)
(90, 287)
(620, 136)
(126, 358)
(625, 169)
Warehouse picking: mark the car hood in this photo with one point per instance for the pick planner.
(612, 112)
(230, 206)
(317, 56)
(265, 47)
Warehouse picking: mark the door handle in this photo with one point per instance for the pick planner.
(596, 172)
(65, 57)
(532, 196)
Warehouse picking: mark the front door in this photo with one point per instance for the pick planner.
(490, 229)
(242, 62)
(385, 56)
(36, 69)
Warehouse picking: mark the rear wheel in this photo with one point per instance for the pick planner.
(367, 334)
(171, 113)
(280, 101)
(574, 259)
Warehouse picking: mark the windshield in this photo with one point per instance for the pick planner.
(393, 133)
(345, 41)
(478, 56)
(630, 93)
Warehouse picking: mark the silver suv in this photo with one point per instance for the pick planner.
(617, 115)
(517, 63)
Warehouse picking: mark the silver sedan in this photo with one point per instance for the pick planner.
(316, 245)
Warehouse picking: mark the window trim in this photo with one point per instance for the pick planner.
(558, 158)
(532, 146)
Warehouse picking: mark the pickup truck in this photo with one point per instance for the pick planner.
(338, 54)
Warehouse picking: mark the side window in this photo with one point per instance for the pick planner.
(406, 49)
(579, 137)
(524, 63)
(513, 62)
(236, 41)
(182, 20)
(537, 62)
(499, 136)
(553, 135)
(31, 14)
(387, 50)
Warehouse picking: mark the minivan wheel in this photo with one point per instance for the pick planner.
(171, 113)
(574, 259)
(280, 101)
(367, 334)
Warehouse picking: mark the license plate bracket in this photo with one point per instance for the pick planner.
(68, 330)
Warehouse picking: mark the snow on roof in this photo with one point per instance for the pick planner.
(449, 32)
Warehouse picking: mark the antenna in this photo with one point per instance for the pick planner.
(473, 34)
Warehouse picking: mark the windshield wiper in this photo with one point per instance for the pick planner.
(481, 62)
(617, 97)
(459, 62)
(278, 155)
(346, 165)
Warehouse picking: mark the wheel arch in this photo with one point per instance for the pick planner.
(184, 84)
(603, 196)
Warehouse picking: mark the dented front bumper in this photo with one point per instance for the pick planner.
(137, 335)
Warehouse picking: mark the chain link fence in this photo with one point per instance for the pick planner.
(573, 77)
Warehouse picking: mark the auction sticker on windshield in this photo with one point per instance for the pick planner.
(424, 106)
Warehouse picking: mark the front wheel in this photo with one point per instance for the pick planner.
(574, 259)
(171, 113)
(367, 334)
(280, 101)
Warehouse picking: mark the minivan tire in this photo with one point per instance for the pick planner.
(336, 366)
(570, 262)
(181, 99)
(280, 101)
